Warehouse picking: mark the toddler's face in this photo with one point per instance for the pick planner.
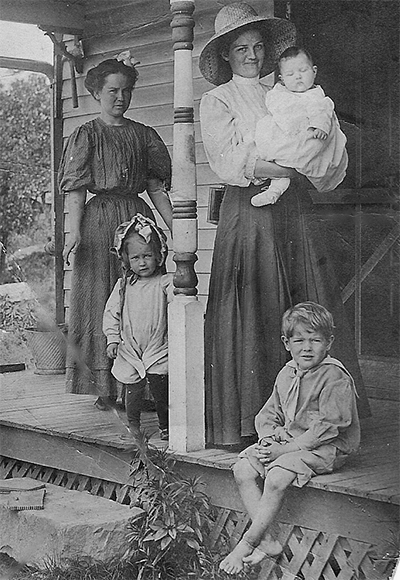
(297, 73)
(307, 347)
(143, 260)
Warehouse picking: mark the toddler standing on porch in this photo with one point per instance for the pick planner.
(135, 319)
(308, 426)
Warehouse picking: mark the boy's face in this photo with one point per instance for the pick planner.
(297, 73)
(143, 261)
(307, 347)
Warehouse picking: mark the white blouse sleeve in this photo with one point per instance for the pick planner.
(229, 154)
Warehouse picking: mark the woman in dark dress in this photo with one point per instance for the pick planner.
(265, 259)
(116, 159)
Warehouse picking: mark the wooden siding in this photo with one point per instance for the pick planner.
(145, 28)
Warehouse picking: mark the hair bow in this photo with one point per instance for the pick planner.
(127, 58)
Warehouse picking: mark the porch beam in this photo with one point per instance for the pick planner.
(49, 14)
(26, 64)
(186, 343)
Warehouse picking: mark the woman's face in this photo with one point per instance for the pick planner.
(114, 98)
(246, 54)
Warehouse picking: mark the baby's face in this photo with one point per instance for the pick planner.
(297, 73)
(307, 347)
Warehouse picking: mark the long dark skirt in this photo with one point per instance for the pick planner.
(94, 275)
(265, 260)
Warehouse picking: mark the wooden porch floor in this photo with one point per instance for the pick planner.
(38, 405)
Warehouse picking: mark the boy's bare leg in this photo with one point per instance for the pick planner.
(257, 543)
(251, 494)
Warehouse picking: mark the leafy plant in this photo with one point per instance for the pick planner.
(170, 538)
(15, 316)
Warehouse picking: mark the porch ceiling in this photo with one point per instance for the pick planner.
(67, 16)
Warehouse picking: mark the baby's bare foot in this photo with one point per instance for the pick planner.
(233, 563)
(267, 547)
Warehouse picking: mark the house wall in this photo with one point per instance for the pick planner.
(144, 27)
(370, 125)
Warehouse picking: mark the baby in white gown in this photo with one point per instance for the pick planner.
(301, 129)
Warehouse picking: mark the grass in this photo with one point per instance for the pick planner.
(85, 569)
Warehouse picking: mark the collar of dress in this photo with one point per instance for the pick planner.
(245, 81)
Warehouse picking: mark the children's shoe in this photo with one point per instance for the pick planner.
(164, 434)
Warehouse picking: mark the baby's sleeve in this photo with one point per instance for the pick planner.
(320, 114)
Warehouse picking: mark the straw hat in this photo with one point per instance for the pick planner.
(278, 34)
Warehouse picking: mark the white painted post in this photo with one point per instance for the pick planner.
(186, 316)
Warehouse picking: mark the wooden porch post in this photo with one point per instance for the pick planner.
(186, 342)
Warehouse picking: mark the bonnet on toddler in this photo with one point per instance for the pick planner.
(145, 227)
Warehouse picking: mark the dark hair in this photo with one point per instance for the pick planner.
(310, 314)
(226, 41)
(96, 77)
(292, 52)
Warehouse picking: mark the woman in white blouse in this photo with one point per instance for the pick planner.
(265, 259)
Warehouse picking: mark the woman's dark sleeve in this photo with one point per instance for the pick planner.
(75, 165)
(159, 160)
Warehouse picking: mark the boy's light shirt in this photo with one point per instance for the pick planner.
(325, 408)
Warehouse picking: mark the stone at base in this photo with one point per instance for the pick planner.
(72, 524)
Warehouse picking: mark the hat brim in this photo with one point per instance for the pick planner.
(277, 33)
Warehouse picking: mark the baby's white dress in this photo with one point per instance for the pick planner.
(282, 136)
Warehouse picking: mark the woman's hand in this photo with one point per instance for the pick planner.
(76, 205)
(160, 199)
(71, 245)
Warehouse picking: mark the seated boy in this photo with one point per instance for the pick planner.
(308, 426)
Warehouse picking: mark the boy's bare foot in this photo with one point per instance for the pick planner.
(267, 547)
(233, 563)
